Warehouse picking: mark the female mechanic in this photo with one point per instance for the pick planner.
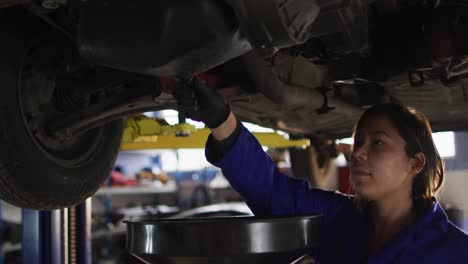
(396, 172)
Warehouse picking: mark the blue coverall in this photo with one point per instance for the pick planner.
(344, 231)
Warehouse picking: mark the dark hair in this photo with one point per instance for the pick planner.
(413, 126)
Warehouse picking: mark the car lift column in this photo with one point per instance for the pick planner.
(41, 240)
(83, 227)
(58, 236)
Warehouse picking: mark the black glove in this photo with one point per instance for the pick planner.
(199, 102)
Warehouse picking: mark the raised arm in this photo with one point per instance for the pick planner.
(249, 169)
(267, 191)
(226, 128)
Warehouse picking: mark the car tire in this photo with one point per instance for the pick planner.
(32, 175)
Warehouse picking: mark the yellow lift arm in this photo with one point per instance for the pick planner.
(142, 132)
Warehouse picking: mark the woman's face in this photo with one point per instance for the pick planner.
(379, 164)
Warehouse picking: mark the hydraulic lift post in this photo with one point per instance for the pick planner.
(41, 241)
(58, 236)
(83, 227)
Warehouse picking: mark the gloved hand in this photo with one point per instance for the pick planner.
(202, 103)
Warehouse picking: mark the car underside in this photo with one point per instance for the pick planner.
(305, 67)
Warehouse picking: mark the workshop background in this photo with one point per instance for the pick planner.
(179, 182)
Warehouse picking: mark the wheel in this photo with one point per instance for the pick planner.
(39, 171)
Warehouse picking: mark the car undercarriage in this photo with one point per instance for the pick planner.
(73, 69)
